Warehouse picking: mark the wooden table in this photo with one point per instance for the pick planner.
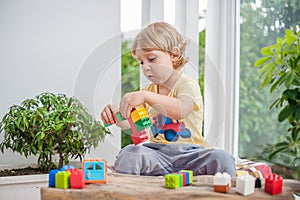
(129, 187)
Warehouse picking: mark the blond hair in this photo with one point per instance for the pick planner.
(161, 36)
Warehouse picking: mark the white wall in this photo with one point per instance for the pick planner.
(62, 47)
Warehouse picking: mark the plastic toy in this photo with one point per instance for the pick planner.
(257, 183)
(222, 182)
(94, 170)
(179, 179)
(52, 174)
(139, 121)
(245, 184)
(273, 184)
(173, 181)
(76, 179)
(62, 179)
(189, 176)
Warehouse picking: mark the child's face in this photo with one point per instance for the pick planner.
(156, 65)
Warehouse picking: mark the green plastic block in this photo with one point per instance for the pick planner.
(143, 124)
(173, 181)
(119, 117)
(62, 179)
(190, 175)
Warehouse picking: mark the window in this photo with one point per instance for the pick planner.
(262, 21)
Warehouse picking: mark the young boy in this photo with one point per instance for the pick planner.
(172, 99)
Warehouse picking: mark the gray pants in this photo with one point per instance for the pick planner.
(154, 159)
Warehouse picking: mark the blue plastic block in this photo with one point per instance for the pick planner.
(52, 174)
(67, 167)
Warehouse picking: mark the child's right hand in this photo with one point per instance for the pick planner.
(107, 114)
(107, 117)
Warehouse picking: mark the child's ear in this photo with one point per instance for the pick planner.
(175, 54)
(176, 51)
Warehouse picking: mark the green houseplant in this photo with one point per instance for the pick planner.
(50, 124)
(280, 70)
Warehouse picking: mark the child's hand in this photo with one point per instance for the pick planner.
(131, 100)
(107, 114)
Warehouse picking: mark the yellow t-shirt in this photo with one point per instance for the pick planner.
(189, 130)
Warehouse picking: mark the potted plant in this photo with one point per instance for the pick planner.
(280, 70)
(49, 125)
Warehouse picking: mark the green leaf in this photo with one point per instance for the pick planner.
(285, 113)
(279, 82)
(267, 67)
(59, 127)
(274, 153)
(297, 114)
(295, 135)
(289, 79)
(42, 135)
(267, 51)
(261, 61)
(290, 36)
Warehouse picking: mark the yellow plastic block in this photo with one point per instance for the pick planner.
(138, 114)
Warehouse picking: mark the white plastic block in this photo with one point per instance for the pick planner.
(245, 184)
(222, 179)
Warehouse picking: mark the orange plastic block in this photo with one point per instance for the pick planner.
(94, 170)
(221, 188)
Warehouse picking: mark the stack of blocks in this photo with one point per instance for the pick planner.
(93, 171)
(245, 184)
(139, 121)
(222, 182)
(273, 184)
(179, 179)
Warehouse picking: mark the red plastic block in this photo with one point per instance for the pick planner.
(184, 180)
(137, 136)
(77, 179)
(273, 184)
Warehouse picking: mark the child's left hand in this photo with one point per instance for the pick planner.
(131, 100)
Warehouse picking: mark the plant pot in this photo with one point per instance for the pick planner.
(22, 187)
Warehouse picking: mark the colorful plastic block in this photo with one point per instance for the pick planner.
(66, 167)
(257, 183)
(51, 181)
(173, 181)
(138, 113)
(139, 121)
(273, 184)
(76, 179)
(185, 178)
(245, 184)
(142, 124)
(62, 179)
(222, 182)
(189, 175)
(137, 136)
(94, 170)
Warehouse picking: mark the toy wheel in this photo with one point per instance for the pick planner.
(171, 135)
